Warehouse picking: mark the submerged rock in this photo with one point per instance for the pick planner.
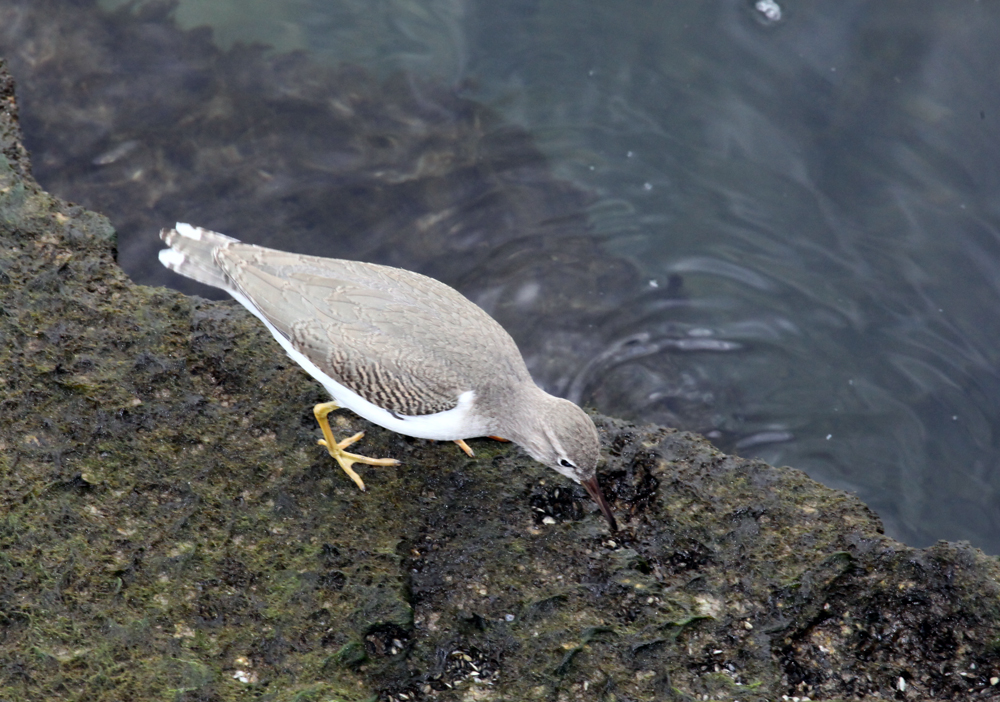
(171, 529)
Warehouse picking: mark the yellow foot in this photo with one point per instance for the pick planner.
(336, 449)
(465, 447)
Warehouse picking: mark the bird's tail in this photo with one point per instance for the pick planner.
(192, 253)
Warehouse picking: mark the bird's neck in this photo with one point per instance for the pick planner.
(514, 414)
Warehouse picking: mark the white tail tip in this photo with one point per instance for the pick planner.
(188, 232)
(172, 259)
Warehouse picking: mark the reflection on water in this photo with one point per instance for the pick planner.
(773, 224)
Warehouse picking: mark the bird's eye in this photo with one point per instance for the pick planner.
(565, 464)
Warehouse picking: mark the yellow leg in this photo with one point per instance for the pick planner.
(345, 459)
(465, 447)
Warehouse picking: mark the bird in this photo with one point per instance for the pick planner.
(401, 349)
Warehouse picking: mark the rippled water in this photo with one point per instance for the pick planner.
(782, 232)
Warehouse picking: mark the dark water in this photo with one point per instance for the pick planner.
(782, 232)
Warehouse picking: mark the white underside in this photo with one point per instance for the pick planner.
(456, 423)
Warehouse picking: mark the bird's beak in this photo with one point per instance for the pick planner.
(595, 491)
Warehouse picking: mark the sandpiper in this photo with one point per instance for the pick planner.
(402, 350)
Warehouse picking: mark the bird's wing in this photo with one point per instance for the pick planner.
(401, 340)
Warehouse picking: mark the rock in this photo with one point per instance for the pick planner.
(170, 528)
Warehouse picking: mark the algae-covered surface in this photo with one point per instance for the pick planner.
(169, 530)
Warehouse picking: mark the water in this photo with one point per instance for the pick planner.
(780, 232)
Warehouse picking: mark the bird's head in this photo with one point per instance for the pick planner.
(566, 440)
